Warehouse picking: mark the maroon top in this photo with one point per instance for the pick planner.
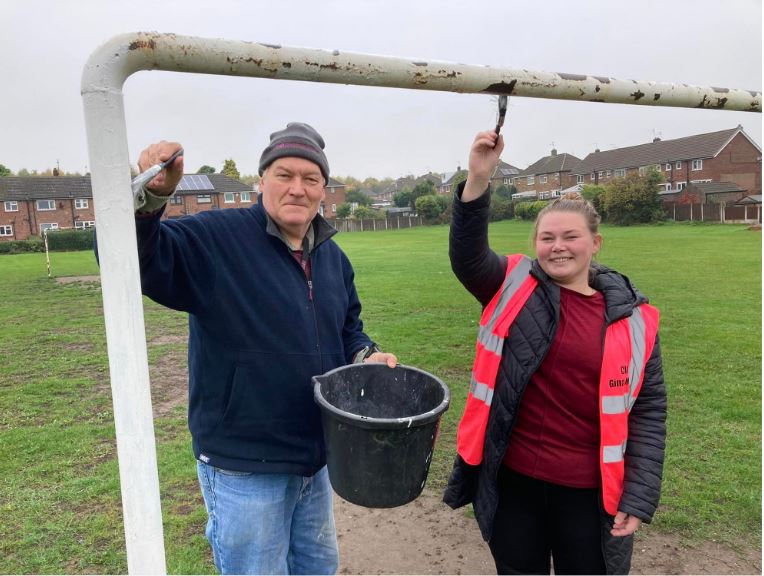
(556, 436)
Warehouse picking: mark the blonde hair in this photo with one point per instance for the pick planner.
(571, 202)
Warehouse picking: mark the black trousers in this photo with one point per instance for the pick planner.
(537, 522)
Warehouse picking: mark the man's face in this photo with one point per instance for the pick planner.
(293, 189)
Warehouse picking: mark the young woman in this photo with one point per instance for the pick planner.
(560, 449)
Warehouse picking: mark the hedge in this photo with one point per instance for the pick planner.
(58, 241)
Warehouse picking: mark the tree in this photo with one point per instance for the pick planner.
(505, 192)
(206, 170)
(403, 198)
(460, 177)
(596, 195)
(344, 210)
(357, 197)
(423, 188)
(5, 171)
(634, 199)
(230, 169)
(430, 206)
(366, 213)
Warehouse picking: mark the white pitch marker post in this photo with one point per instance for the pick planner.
(102, 81)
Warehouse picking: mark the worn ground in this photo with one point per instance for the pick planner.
(427, 537)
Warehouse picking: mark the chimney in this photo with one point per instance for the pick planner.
(656, 139)
(554, 151)
(596, 150)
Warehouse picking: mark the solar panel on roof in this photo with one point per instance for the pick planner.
(195, 182)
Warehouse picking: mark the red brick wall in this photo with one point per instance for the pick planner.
(554, 181)
(335, 197)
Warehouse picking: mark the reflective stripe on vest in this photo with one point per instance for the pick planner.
(501, 311)
(629, 342)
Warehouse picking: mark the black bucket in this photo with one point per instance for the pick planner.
(379, 426)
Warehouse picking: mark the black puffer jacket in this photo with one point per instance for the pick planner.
(482, 271)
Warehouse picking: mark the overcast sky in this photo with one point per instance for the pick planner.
(376, 132)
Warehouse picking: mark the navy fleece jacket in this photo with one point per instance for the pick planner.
(257, 332)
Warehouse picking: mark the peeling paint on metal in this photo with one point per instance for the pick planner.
(720, 102)
(596, 88)
(724, 90)
(501, 88)
(603, 79)
(565, 76)
(419, 63)
(637, 95)
(656, 96)
(139, 44)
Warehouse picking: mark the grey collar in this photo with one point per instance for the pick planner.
(319, 231)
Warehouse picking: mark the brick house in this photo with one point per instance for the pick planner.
(546, 177)
(335, 195)
(729, 156)
(504, 175)
(199, 192)
(30, 205)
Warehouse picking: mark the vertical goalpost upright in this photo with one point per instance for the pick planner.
(102, 81)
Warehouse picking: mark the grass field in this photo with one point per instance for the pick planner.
(60, 501)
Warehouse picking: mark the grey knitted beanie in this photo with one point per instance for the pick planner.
(297, 139)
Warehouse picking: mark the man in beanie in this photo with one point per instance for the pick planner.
(271, 302)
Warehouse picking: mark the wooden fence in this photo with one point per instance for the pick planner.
(392, 223)
(729, 214)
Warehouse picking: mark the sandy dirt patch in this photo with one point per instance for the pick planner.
(427, 537)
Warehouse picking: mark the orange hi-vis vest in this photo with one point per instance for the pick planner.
(628, 345)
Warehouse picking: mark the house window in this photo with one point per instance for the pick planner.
(608, 173)
(229, 198)
(334, 208)
(542, 179)
(43, 205)
(80, 203)
(601, 174)
(175, 199)
(82, 224)
(203, 199)
(642, 170)
(543, 195)
(244, 197)
(506, 181)
(592, 176)
(667, 186)
(11, 206)
(530, 180)
(678, 165)
(697, 164)
(700, 181)
(620, 172)
(657, 167)
(681, 185)
(48, 226)
(579, 178)
(6, 230)
(668, 166)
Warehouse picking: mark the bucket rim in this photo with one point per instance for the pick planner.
(379, 423)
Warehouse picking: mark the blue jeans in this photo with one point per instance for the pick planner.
(269, 523)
